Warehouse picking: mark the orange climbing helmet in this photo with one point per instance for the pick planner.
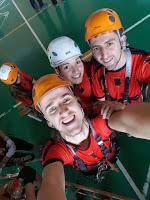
(9, 73)
(101, 21)
(45, 84)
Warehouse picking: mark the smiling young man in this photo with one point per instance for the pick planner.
(126, 71)
(84, 144)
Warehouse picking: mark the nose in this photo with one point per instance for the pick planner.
(63, 108)
(75, 69)
(104, 53)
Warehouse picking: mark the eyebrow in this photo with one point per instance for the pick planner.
(110, 40)
(64, 64)
(104, 42)
(50, 104)
(69, 63)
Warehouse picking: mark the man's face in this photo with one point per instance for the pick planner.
(63, 112)
(72, 70)
(106, 49)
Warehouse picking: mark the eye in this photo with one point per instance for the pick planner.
(51, 110)
(109, 44)
(66, 67)
(96, 49)
(78, 61)
(66, 100)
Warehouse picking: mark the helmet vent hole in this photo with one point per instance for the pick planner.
(54, 53)
(75, 45)
(68, 52)
(112, 18)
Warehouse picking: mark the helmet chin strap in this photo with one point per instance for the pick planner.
(123, 48)
(116, 66)
(122, 43)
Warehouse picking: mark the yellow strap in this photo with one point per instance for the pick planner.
(112, 166)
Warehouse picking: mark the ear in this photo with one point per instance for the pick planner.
(50, 124)
(123, 41)
(124, 38)
(57, 70)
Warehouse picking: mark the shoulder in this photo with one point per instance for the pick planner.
(55, 151)
(140, 58)
(136, 51)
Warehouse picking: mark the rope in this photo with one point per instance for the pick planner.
(10, 109)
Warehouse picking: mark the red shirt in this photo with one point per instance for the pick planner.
(26, 81)
(115, 80)
(83, 90)
(59, 151)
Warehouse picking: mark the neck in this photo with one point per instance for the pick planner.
(81, 136)
(84, 145)
(122, 61)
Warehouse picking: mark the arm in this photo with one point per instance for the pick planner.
(53, 182)
(26, 76)
(134, 119)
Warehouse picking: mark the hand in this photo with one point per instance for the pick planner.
(108, 107)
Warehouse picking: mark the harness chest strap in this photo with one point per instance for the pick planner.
(127, 78)
(105, 151)
(102, 145)
(128, 75)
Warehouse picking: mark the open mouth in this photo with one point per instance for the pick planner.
(68, 120)
(76, 76)
(108, 61)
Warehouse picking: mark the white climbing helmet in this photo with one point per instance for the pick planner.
(61, 49)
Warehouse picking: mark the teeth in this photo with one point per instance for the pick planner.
(77, 76)
(67, 120)
(107, 61)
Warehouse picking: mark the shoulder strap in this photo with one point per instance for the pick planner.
(128, 75)
(77, 161)
(127, 78)
(107, 95)
(98, 138)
